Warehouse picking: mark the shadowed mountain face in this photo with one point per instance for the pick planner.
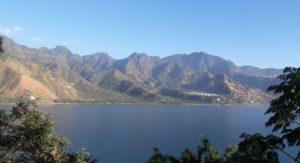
(1, 43)
(59, 75)
(98, 61)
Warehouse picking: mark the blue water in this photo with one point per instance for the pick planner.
(127, 133)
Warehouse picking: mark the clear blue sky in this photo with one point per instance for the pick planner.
(263, 33)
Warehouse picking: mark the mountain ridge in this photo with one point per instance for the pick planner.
(137, 78)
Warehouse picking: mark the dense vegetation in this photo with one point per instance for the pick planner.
(26, 135)
(285, 117)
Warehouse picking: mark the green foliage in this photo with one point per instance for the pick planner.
(285, 109)
(229, 152)
(257, 148)
(188, 156)
(158, 157)
(26, 135)
(81, 157)
(253, 148)
(207, 153)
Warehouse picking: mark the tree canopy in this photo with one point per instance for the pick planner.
(205, 153)
(285, 109)
(26, 135)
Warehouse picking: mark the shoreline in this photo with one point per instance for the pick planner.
(181, 104)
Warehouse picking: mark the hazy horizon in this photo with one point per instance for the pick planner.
(146, 54)
(262, 34)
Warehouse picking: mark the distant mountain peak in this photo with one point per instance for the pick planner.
(58, 69)
(7, 41)
(99, 61)
(6, 38)
(61, 50)
(101, 54)
(136, 54)
(198, 53)
(43, 49)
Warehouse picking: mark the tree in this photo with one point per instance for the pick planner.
(159, 157)
(285, 109)
(257, 148)
(206, 153)
(26, 135)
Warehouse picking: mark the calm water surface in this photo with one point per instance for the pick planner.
(127, 133)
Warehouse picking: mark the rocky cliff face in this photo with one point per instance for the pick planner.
(58, 74)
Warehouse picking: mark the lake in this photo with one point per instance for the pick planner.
(127, 133)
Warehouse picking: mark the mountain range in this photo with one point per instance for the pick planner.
(59, 75)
